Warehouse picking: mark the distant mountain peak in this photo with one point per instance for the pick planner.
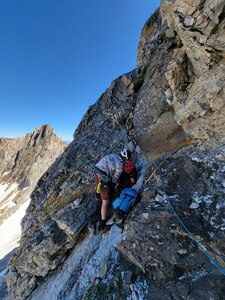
(23, 160)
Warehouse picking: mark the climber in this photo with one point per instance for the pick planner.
(128, 177)
(125, 194)
(106, 173)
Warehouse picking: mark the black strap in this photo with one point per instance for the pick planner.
(96, 169)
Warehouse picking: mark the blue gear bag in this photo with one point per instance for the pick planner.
(126, 200)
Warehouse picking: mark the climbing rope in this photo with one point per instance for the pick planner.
(184, 226)
(153, 173)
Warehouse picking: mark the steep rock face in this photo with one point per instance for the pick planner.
(182, 51)
(170, 107)
(189, 81)
(199, 108)
(192, 182)
(23, 162)
(63, 201)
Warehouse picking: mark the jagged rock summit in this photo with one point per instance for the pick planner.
(23, 161)
(169, 112)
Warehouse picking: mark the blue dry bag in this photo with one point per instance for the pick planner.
(126, 200)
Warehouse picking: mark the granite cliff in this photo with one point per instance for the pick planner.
(170, 112)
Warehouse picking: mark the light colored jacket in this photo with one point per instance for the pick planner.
(112, 165)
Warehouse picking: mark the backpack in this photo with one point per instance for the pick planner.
(126, 200)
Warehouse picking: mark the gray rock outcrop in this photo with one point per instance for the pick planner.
(170, 112)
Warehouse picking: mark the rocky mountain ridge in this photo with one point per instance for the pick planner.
(23, 161)
(169, 112)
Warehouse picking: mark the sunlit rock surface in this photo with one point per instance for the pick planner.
(170, 112)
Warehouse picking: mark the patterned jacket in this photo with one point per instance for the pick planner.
(111, 165)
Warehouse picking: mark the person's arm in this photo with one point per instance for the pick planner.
(133, 180)
(120, 180)
(134, 176)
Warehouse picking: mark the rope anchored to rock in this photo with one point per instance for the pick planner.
(184, 226)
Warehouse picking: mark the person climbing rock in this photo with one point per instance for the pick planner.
(107, 172)
(125, 195)
(128, 177)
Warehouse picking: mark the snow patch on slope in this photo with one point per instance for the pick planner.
(6, 189)
(10, 230)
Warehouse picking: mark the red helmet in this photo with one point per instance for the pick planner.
(129, 166)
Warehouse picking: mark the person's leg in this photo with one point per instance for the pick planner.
(105, 202)
(104, 207)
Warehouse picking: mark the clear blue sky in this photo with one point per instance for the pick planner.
(58, 56)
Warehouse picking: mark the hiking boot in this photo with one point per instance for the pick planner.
(119, 221)
(111, 221)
